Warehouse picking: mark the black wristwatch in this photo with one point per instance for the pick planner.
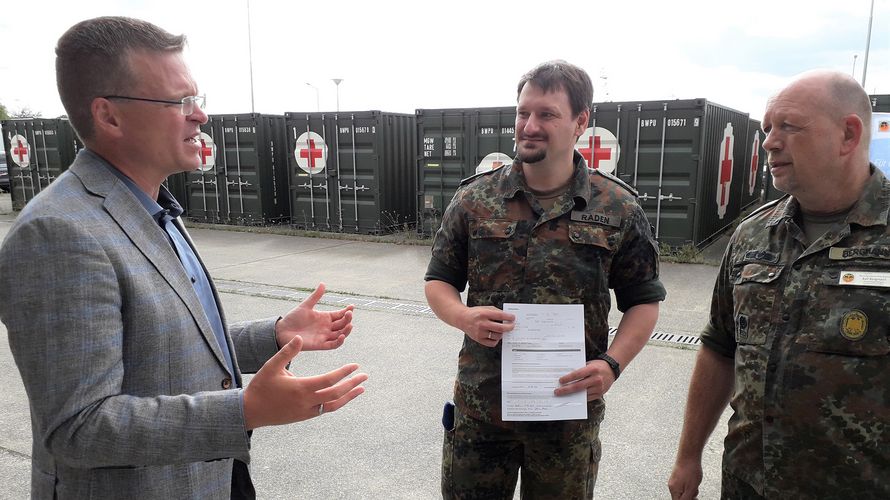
(616, 368)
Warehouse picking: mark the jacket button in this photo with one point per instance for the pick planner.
(226, 383)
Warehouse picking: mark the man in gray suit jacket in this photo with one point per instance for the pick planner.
(133, 379)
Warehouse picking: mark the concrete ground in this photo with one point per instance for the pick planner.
(387, 443)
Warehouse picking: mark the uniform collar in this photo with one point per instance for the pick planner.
(514, 181)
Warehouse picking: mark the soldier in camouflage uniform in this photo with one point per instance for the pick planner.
(544, 230)
(798, 336)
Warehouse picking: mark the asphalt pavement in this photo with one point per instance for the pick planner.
(387, 443)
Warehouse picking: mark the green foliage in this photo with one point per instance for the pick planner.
(686, 254)
(4, 113)
(27, 112)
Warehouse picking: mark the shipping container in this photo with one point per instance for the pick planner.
(880, 103)
(352, 171)
(455, 144)
(37, 151)
(243, 175)
(690, 160)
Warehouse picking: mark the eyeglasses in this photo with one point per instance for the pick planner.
(187, 104)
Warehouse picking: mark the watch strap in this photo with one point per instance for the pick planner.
(616, 368)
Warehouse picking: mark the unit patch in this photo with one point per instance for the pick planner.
(596, 218)
(741, 328)
(854, 324)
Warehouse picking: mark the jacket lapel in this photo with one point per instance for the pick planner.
(147, 236)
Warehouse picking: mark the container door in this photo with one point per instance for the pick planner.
(663, 157)
(241, 162)
(313, 172)
(203, 189)
(444, 161)
(359, 185)
(599, 144)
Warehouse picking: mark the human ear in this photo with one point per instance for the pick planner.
(853, 130)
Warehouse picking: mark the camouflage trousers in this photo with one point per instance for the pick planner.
(733, 488)
(558, 460)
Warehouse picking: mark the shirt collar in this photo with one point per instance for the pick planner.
(166, 204)
(872, 207)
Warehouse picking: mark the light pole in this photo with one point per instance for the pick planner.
(250, 56)
(853, 73)
(871, 16)
(337, 83)
(317, 102)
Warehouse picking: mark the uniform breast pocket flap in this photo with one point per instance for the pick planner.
(589, 234)
(755, 272)
(492, 229)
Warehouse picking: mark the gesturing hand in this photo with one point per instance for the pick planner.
(321, 330)
(275, 396)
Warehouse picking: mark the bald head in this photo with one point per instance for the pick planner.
(834, 93)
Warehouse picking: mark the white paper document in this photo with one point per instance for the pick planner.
(547, 342)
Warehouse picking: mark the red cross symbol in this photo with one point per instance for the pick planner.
(725, 171)
(21, 150)
(496, 165)
(599, 153)
(205, 152)
(754, 160)
(312, 153)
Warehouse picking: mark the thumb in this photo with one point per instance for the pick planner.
(286, 354)
(314, 297)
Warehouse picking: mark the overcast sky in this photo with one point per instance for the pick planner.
(400, 56)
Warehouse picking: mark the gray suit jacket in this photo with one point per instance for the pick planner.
(126, 382)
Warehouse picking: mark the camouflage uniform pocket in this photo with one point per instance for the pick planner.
(492, 260)
(754, 291)
(847, 320)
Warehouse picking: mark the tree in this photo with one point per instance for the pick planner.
(4, 114)
(27, 112)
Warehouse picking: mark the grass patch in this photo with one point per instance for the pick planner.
(407, 236)
(686, 254)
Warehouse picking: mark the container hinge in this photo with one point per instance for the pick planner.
(211, 182)
(239, 182)
(645, 196)
(670, 197)
(362, 188)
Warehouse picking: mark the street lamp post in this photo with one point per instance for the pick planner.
(337, 83)
(317, 101)
(871, 16)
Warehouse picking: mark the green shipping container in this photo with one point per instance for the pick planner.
(37, 151)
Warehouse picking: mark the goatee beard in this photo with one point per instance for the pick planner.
(533, 157)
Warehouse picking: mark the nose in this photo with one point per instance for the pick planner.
(772, 142)
(531, 125)
(198, 115)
